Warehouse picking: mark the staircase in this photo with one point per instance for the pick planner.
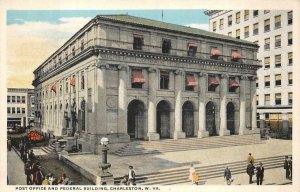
(180, 175)
(169, 145)
(49, 148)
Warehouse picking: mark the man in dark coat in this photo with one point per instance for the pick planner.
(28, 170)
(38, 176)
(227, 175)
(260, 174)
(250, 171)
(286, 167)
(291, 167)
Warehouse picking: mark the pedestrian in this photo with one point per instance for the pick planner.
(250, 158)
(26, 156)
(131, 175)
(38, 176)
(124, 180)
(227, 176)
(291, 168)
(286, 166)
(28, 171)
(260, 174)
(192, 172)
(51, 179)
(250, 171)
(196, 178)
(9, 145)
(63, 180)
(46, 180)
(31, 156)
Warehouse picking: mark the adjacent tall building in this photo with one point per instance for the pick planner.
(126, 77)
(20, 107)
(272, 30)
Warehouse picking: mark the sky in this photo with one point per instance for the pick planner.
(33, 35)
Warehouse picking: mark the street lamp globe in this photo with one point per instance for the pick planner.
(104, 141)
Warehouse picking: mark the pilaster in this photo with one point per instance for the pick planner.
(223, 107)
(202, 132)
(178, 134)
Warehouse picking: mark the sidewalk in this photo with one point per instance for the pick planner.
(15, 169)
(144, 164)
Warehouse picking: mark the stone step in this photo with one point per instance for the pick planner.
(49, 148)
(206, 172)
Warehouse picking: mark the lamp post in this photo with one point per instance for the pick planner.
(104, 177)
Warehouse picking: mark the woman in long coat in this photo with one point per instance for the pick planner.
(192, 172)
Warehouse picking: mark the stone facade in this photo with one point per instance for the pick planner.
(112, 79)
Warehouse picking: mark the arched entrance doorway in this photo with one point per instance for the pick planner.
(135, 119)
(163, 119)
(210, 119)
(230, 118)
(188, 119)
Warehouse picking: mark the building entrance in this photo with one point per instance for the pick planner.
(188, 119)
(163, 119)
(230, 118)
(210, 119)
(135, 119)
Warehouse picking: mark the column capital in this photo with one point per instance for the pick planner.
(201, 74)
(224, 76)
(152, 70)
(178, 72)
(244, 77)
(102, 65)
(253, 78)
(123, 67)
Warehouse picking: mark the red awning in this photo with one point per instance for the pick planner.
(53, 88)
(190, 79)
(233, 83)
(215, 52)
(72, 81)
(192, 45)
(236, 54)
(213, 81)
(137, 76)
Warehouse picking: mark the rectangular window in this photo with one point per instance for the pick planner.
(277, 98)
(277, 61)
(213, 83)
(166, 46)
(221, 25)
(13, 110)
(277, 21)
(8, 110)
(82, 44)
(192, 50)
(267, 81)
(290, 57)
(266, 11)
(229, 20)
(73, 51)
(290, 95)
(267, 99)
(290, 38)
(137, 78)
(255, 13)
(230, 34)
(257, 100)
(8, 99)
(82, 80)
(267, 44)
(290, 76)
(256, 42)
(267, 62)
(290, 17)
(255, 29)
(238, 17)
(18, 110)
(267, 25)
(237, 34)
(215, 53)
(246, 15)
(214, 26)
(66, 55)
(190, 82)
(138, 42)
(277, 41)
(18, 99)
(164, 80)
(246, 33)
(23, 99)
(23, 110)
(257, 83)
(235, 55)
(13, 99)
(233, 85)
(278, 80)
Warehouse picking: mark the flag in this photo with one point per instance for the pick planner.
(72, 81)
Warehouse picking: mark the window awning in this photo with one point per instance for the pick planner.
(215, 52)
(192, 45)
(53, 88)
(137, 76)
(190, 80)
(233, 83)
(72, 81)
(213, 81)
(138, 36)
(236, 55)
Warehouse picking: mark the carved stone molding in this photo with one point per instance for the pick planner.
(201, 74)
(123, 67)
(244, 77)
(253, 78)
(179, 72)
(152, 70)
(224, 76)
(102, 65)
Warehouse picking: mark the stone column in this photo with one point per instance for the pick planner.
(223, 107)
(253, 105)
(178, 133)
(262, 123)
(202, 99)
(122, 99)
(152, 132)
(100, 99)
(285, 121)
(242, 129)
